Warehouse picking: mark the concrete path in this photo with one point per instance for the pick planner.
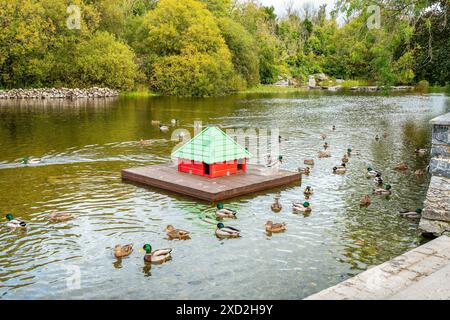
(422, 273)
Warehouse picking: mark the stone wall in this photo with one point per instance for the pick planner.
(436, 213)
(60, 93)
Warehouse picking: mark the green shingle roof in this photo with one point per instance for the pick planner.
(210, 146)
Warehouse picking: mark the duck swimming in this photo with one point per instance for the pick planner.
(222, 212)
(323, 136)
(401, 167)
(275, 227)
(123, 251)
(305, 170)
(28, 160)
(155, 122)
(340, 169)
(345, 158)
(326, 145)
(372, 173)
(174, 121)
(419, 172)
(411, 214)
(60, 216)
(144, 143)
(378, 179)
(383, 191)
(226, 232)
(308, 191)
(163, 128)
(276, 206)
(421, 151)
(173, 233)
(365, 201)
(377, 138)
(324, 154)
(302, 207)
(309, 162)
(157, 256)
(14, 223)
(271, 163)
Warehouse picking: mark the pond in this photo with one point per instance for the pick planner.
(84, 146)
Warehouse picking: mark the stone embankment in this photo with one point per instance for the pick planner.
(436, 213)
(62, 93)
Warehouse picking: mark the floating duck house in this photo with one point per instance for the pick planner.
(212, 153)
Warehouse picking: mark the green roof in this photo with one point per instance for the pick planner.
(210, 146)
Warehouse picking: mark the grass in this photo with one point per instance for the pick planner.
(272, 89)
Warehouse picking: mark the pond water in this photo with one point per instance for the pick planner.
(85, 145)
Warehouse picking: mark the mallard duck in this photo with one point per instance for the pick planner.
(309, 162)
(173, 233)
(14, 223)
(276, 206)
(344, 158)
(123, 251)
(156, 122)
(419, 172)
(222, 212)
(275, 227)
(308, 191)
(326, 145)
(60, 216)
(349, 151)
(226, 232)
(372, 173)
(163, 128)
(421, 151)
(302, 207)
(324, 154)
(383, 191)
(333, 128)
(271, 163)
(377, 137)
(365, 201)
(411, 214)
(401, 167)
(305, 170)
(323, 136)
(156, 256)
(280, 139)
(378, 179)
(174, 121)
(340, 169)
(28, 160)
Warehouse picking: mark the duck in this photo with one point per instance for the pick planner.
(272, 164)
(417, 214)
(309, 162)
(377, 138)
(365, 201)
(280, 139)
(222, 212)
(155, 122)
(372, 173)
(123, 251)
(308, 191)
(156, 256)
(345, 158)
(143, 142)
(324, 154)
(383, 191)
(181, 136)
(28, 160)
(378, 179)
(326, 145)
(305, 170)
(323, 136)
(275, 227)
(14, 223)
(276, 206)
(401, 167)
(174, 121)
(333, 128)
(302, 207)
(173, 233)
(223, 231)
(163, 128)
(60, 216)
(421, 151)
(419, 172)
(340, 169)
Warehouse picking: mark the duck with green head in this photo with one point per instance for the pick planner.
(302, 207)
(417, 214)
(156, 256)
(372, 173)
(222, 212)
(383, 191)
(223, 231)
(340, 169)
(28, 160)
(14, 223)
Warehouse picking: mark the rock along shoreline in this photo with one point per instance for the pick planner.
(61, 93)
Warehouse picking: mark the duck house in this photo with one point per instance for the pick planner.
(212, 153)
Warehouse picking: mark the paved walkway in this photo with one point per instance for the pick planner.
(422, 273)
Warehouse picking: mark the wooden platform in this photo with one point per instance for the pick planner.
(168, 178)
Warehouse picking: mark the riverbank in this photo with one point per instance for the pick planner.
(60, 93)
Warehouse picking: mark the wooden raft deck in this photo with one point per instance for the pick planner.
(168, 178)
